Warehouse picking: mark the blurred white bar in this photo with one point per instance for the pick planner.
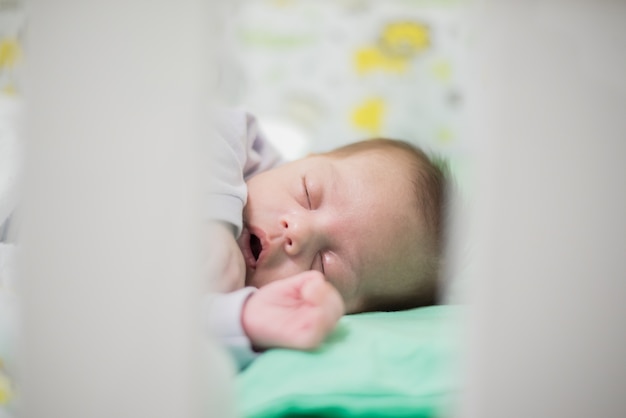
(547, 335)
(115, 91)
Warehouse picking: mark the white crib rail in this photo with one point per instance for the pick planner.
(109, 279)
(547, 325)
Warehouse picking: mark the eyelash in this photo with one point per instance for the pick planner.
(308, 201)
(306, 193)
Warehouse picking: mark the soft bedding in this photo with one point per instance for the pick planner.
(386, 364)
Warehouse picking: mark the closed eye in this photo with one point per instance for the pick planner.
(306, 193)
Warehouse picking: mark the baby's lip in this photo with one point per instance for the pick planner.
(244, 245)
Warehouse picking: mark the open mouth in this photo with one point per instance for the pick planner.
(255, 246)
(251, 245)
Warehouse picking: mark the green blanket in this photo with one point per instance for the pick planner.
(384, 364)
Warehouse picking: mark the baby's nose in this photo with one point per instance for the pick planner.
(298, 235)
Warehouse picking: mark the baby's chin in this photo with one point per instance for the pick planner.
(256, 280)
(249, 277)
(252, 279)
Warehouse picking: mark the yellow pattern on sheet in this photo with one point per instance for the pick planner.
(371, 58)
(10, 52)
(369, 115)
(6, 393)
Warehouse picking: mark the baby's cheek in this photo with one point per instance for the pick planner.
(349, 293)
(259, 278)
(264, 276)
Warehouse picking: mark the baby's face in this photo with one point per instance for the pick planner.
(347, 218)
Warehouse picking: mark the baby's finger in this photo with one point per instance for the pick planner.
(334, 303)
(318, 292)
(313, 287)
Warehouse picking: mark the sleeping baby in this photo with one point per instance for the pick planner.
(352, 230)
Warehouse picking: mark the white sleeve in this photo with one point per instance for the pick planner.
(239, 151)
(223, 313)
(261, 154)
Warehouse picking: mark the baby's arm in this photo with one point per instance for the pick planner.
(297, 312)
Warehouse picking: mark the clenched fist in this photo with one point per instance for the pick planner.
(297, 312)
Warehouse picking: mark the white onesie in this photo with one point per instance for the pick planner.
(240, 151)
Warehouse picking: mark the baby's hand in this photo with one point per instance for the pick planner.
(297, 312)
(228, 269)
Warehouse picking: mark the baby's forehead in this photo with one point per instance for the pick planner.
(372, 178)
(383, 176)
(388, 161)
